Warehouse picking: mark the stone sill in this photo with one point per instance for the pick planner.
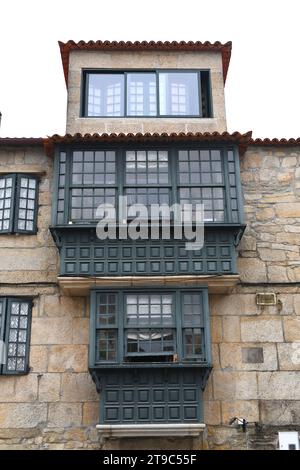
(81, 286)
(150, 430)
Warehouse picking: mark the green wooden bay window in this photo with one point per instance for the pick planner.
(138, 327)
(88, 178)
(15, 320)
(18, 203)
(153, 93)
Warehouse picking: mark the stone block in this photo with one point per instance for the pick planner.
(38, 358)
(289, 356)
(230, 385)
(26, 389)
(271, 255)
(252, 270)
(80, 331)
(90, 413)
(78, 387)
(7, 387)
(278, 385)
(212, 412)
(277, 274)
(231, 329)
(72, 358)
(268, 330)
(49, 387)
(265, 213)
(46, 330)
(288, 210)
(233, 304)
(241, 408)
(291, 328)
(64, 415)
(22, 415)
(231, 357)
(216, 329)
(280, 412)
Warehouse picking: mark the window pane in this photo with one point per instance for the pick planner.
(147, 167)
(105, 95)
(179, 94)
(84, 202)
(141, 94)
(107, 306)
(192, 309)
(150, 341)
(26, 205)
(94, 168)
(212, 198)
(193, 342)
(6, 209)
(106, 345)
(200, 167)
(17, 336)
(149, 309)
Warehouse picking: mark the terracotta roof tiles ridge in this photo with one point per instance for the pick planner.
(67, 47)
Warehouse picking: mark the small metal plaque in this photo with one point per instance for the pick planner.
(266, 298)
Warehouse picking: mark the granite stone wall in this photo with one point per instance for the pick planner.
(256, 353)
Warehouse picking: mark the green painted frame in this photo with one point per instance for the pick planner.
(173, 153)
(15, 203)
(4, 331)
(120, 363)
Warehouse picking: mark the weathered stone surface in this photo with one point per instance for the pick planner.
(78, 387)
(216, 329)
(289, 355)
(231, 356)
(212, 412)
(233, 304)
(231, 329)
(252, 270)
(38, 358)
(46, 330)
(288, 210)
(80, 331)
(279, 385)
(7, 386)
(261, 329)
(71, 358)
(26, 388)
(22, 415)
(291, 328)
(90, 413)
(280, 412)
(234, 385)
(252, 355)
(241, 408)
(64, 414)
(49, 387)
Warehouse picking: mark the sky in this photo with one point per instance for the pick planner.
(263, 84)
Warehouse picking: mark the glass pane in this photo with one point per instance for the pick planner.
(107, 309)
(150, 341)
(141, 94)
(192, 309)
(106, 345)
(5, 203)
(149, 310)
(26, 204)
(17, 336)
(179, 94)
(105, 94)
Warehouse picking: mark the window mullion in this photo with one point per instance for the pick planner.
(228, 213)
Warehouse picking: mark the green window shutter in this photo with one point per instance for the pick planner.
(17, 336)
(25, 220)
(7, 202)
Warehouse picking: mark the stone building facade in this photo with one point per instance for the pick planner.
(254, 371)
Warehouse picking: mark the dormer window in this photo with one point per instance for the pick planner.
(157, 93)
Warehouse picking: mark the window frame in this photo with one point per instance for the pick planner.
(207, 93)
(5, 328)
(15, 200)
(178, 328)
(173, 178)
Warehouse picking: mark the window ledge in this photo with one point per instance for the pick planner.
(150, 430)
(81, 285)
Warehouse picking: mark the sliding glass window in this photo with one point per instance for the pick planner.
(147, 93)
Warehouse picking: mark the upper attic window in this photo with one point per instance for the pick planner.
(157, 93)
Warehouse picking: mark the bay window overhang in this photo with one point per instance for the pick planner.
(149, 352)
